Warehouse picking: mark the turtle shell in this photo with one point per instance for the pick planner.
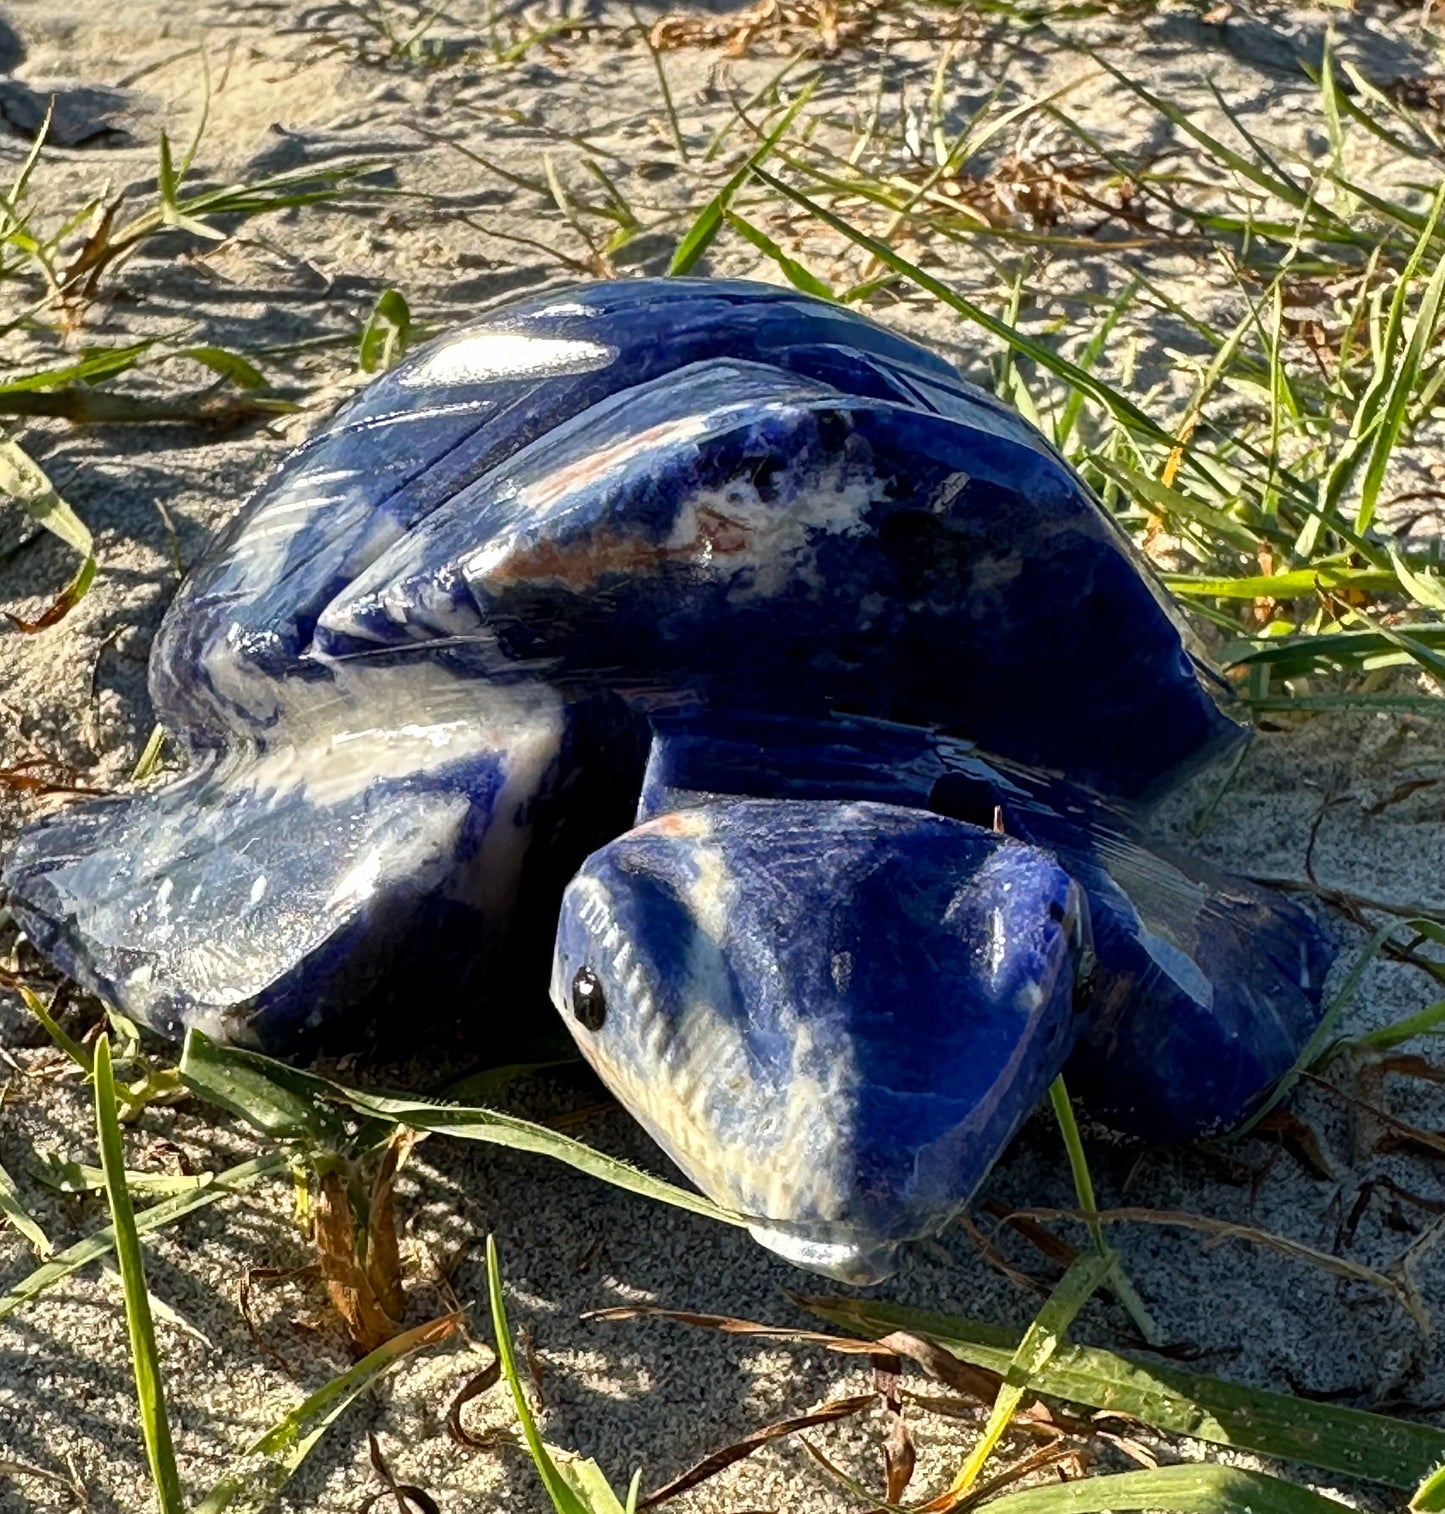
(703, 492)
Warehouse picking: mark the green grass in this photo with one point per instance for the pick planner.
(252, 1484)
(56, 267)
(1273, 512)
(285, 1103)
(1266, 483)
(574, 1484)
(321, 1126)
(23, 482)
(145, 1358)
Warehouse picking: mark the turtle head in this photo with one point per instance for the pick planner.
(833, 1017)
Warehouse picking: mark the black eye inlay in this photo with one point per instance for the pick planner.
(588, 1001)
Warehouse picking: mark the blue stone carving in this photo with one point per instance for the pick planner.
(690, 591)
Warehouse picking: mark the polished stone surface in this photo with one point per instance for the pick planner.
(395, 873)
(701, 489)
(415, 684)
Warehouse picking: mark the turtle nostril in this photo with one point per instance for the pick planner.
(589, 1003)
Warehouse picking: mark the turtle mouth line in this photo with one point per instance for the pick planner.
(860, 1261)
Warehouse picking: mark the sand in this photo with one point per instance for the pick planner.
(296, 84)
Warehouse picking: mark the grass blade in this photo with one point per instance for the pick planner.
(212, 1071)
(167, 180)
(230, 365)
(1189, 1489)
(1275, 183)
(668, 104)
(703, 231)
(498, 1129)
(283, 1103)
(1366, 421)
(798, 276)
(52, 1027)
(253, 1481)
(79, 1177)
(156, 1217)
(1172, 1490)
(145, 1360)
(1431, 661)
(1078, 1163)
(1430, 1495)
(32, 158)
(1384, 108)
(15, 1211)
(1397, 1453)
(1428, 705)
(1041, 1340)
(1175, 506)
(1427, 589)
(1291, 656)
(589, 1482)
(1261, 152)
(149, 760)
(1119, 405)
(168, 184)
(1091, 355)
(1424, 1022)
(24, 481)
(1297, 583)
(1403, 380)
(1119, 1284)
(1315, 1047)
(93, 367)
(387, 333)
(580, 1488)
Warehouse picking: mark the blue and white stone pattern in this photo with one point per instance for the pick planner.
(816, 678)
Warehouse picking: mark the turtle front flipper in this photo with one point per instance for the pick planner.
(833, 1017)
(381, 861)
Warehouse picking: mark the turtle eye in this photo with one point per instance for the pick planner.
(589, 1003)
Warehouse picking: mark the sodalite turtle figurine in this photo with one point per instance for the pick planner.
(812, 674)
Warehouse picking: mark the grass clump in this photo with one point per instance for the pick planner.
(59, 268)
(252, 1484)
(347, 1141)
